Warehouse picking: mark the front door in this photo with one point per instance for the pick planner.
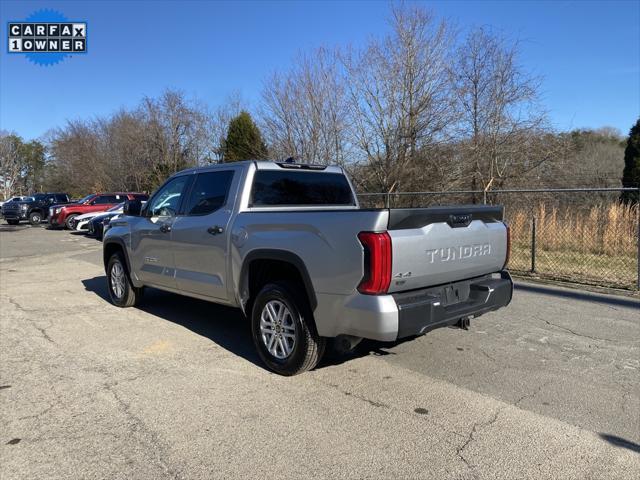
(153, 259)
(200, 235)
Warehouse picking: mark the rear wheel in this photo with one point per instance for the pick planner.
(69, 221)
(122, 292)
(35, 218)
(283, 330)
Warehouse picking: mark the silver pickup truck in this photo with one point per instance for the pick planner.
(289, 245)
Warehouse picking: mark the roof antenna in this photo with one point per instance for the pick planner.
(290, 160)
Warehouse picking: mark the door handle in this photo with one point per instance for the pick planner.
(165, 228)
(215, 230)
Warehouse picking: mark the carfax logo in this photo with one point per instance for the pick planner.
(47, 37)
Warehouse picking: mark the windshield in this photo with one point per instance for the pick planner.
(88, 197)
(120, 206)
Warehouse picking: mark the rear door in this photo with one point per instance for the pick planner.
(152, 258)
(200, 234)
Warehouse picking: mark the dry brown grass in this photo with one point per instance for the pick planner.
(606, 230)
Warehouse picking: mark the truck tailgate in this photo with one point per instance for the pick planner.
(436, 245)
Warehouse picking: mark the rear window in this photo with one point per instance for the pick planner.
(277, 188)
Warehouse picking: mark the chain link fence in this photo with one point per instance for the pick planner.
(579, 235)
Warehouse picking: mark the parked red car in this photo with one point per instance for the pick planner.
(62, 215)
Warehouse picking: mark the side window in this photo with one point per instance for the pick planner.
(209, 192)
(105, 199)
(166, 201)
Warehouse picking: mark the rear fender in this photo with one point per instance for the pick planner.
(279, 255)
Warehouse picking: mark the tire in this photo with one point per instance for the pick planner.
(69, 219)
(294, 330)
(35, 218)
(13, 222)
(122, 293)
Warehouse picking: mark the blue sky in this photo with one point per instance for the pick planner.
(587, 52)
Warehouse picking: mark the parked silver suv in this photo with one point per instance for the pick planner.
(289, 245)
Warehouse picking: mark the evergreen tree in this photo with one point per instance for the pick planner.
(631, 173)
(244, 141)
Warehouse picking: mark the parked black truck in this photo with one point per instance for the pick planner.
(35, 209)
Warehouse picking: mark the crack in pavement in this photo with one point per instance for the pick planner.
(576, 333)
(413, 414)
(470, 438)
(140, 426)
(42, 330)
(533, 394)
(355, 395)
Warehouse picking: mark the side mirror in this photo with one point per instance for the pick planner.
(133, 208)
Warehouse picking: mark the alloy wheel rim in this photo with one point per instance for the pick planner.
(277, 329)
(117, 280)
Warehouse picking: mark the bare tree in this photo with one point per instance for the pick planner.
(132, 150)
(11, 163)
(177, 134)
(303, 111)
(400, 100)
(503, 130)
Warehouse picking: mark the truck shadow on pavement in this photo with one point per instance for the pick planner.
(578, 295)
(620, 442)
(225, 326)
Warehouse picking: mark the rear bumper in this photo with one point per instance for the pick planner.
(400, 315)
(426, 309)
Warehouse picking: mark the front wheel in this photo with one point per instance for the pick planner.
(122, 292)
(35, 218)
(283, 330)
(13, 222)
(69, 222)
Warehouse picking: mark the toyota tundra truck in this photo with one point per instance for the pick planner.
(289, 245)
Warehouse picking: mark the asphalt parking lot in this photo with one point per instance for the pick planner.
(546, 388)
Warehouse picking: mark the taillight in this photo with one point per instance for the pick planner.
(506, 258)
(377, 262)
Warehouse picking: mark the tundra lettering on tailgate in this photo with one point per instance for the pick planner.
(448, 254)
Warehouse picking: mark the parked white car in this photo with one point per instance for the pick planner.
(82, 221)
